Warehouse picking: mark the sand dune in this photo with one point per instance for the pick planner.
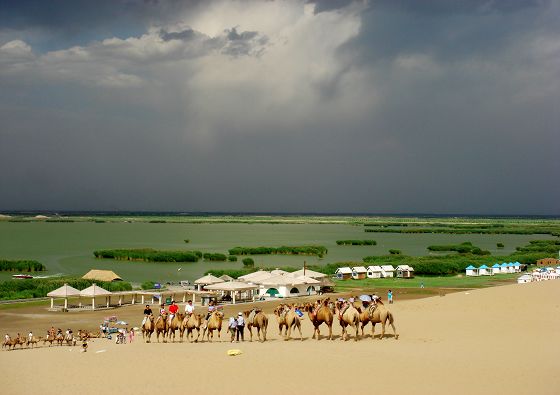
(496, 340)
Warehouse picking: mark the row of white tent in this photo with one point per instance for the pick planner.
(67, 291)
(543, 274)
(506, 267)
(376, 271)
(278, 283)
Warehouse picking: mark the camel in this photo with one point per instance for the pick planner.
(17, 341)
(175, 324)
(364, 319)
(212, 324)
(59, 338)
(148, 328)
(161, 327)
(289, 319)
(70, 339)
(323, 314)
(33, 341)
(7, 342)
(258, 319)
(379, 313)
(190, 323)
(348, 316)
(50, 338)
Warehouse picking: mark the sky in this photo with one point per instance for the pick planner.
(387, 106)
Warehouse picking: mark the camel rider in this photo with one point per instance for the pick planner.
(7, 338)
(211, 308)
(147, 313)
(189, 308)
(162, 310)
(173, 309)
(374, 299)
(30, 336)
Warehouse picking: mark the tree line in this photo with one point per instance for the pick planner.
(21, 266)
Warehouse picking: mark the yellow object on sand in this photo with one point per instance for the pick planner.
(232, 353)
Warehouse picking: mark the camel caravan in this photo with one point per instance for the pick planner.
(353, 316)
(56, 337)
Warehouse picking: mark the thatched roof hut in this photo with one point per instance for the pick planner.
(101, 275)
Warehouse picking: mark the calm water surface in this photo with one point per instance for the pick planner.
(67, 248)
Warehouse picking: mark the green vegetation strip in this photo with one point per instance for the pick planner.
(356, 242)
(296, 250)
(149, 255)
(463, 248)
(516, 229)
(21, 266)
(38, 288)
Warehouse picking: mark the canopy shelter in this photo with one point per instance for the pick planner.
(308, 273)
(209, 279)
(95, 291)
(63, 292)
(259, 274)
(237, 289)
(102, 275)
(225, 277)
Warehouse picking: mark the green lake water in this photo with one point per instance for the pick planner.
(67, 248)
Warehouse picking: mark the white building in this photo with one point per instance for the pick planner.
(526, 278)
(374, 272)
(285, 286)
(483, 271)
(387, 271)
(471, 271)
(359, 272)
(405, 271)
(343, 273)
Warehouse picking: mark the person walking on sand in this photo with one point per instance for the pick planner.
(232, 327)
(240, 327)
(131, 335)
(390, 297)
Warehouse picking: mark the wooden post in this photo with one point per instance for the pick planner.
(142, 297)
(233, 294)
(120, 300)
(93, 303)
(52, 303)
(108, 301)
(65, 303)
(133, 298)
(184, 297)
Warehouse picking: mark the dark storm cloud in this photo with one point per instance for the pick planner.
(441, 106)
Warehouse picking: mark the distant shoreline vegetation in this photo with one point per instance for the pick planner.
(21, 266)
(284, 250)
(451, 228)
(463, 248)
(356, 242)
(149, 255)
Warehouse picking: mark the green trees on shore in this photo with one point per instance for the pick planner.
(463, 248)
(284, 250)
(356, 242)
(21, 266)
(149, 255)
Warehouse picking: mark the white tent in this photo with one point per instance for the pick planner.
(287, 285)
(207, 280)
(251, 276)
(308, 273)
(93, 291)
(63, 292)
(234, 288)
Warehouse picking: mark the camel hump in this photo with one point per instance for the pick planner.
(251, 318)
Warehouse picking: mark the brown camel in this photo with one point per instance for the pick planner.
(190, 323)
(288, 318)
(348, 316)
(33, 341)
(18, 341)
(323, 314)
(161, 327)
(175, 325)
(148, 328)
(258, 319)
(379, 313)
(50, 338)
(7, 342)
(364, 319)
(213, 323)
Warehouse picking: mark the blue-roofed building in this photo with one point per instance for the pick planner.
(483, 271)
(471, 271)
(504, 268)
(517, 267)
(495, 268)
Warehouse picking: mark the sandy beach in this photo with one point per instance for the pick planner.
(496, 340)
